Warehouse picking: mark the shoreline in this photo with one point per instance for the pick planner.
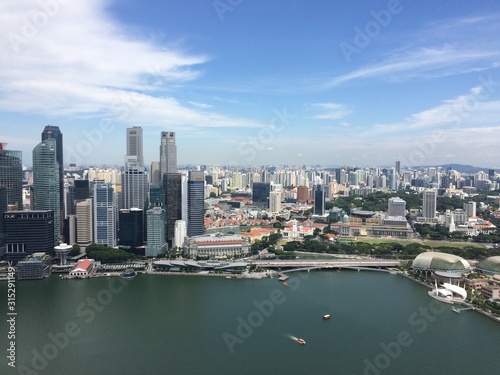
(464, 303)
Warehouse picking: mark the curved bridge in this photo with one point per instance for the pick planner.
(356, 264)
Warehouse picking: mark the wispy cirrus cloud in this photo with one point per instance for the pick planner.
(330, 111)
(450, 47)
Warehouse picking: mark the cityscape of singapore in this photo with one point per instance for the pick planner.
(220, 187)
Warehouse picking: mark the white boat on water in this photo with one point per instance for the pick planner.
(449, 293)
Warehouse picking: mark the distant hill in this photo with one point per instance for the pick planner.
(464, 168)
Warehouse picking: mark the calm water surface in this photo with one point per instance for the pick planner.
(380, 324)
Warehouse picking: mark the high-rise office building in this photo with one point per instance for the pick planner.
(168, 153)
(173, 202)
(84, 222)
(105, 214)
(398, 167)
(53, 132)
(46, 182)
(135, 186)
(157, 243)
(397, 207)
(260, 194)
(319, 200)
(81, 190)
(491, 174)
(429, 204)
(154, 173)
(28, 232)
(196, 202)
(3, 208)
(134, 145)
(131, 227)
(11, 176)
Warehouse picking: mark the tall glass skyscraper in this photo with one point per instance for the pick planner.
(196, 202)
(260, 194)
(11, 175)
(135, 178)
(53, 132)
(168, 153)
(46, 193)
(319, 200)
(157, 243)
(105, 214)
(172, 184)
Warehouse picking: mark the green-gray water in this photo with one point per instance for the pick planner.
(380, 324)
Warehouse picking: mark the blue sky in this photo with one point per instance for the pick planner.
(255, 82)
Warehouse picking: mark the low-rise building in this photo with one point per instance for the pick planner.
(216, 246)
(35, 266)
(83, 269)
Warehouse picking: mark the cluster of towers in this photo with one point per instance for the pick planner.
(146, 209)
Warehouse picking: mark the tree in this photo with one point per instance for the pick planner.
(75, 250)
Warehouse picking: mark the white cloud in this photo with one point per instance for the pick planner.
(200, 105)
(79, 62)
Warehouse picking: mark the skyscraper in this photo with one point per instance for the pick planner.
(84, 222)
(180, 233)
(168, 153)
(173, 202)
(134, 177)
(134, 145)
(11, 176)
(46, 182)
(319, 200)
(429, 204)
(105, 214)
(260, 194)
(196, 201)
(53, 132)
(156, 232)
(131, 227)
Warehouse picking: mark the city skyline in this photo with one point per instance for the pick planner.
(255, 83)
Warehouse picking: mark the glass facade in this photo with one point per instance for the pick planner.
(46, 189)
(196, 203)
(11, 176)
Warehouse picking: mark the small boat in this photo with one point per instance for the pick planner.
(228, 277)
(301, 341)
(326, 317)
(285, 283)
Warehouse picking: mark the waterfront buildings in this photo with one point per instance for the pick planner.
(319, 200)
(34, 267)
(216, 246)
(46, 182)
(157, 243)
(85, 268)
(28, 232)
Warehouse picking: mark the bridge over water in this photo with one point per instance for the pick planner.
(304, 264)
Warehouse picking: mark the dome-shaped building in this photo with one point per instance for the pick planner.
(489, 266)
(435, 261)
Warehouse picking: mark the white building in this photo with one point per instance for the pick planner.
(216, 246)
(275, 202)
(180, 233)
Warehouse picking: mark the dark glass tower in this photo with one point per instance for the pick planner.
(131, 228)
(28, 232)
(196, 201)
(172, 184)
(319, 200)
(260, 194)
(54, 132)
